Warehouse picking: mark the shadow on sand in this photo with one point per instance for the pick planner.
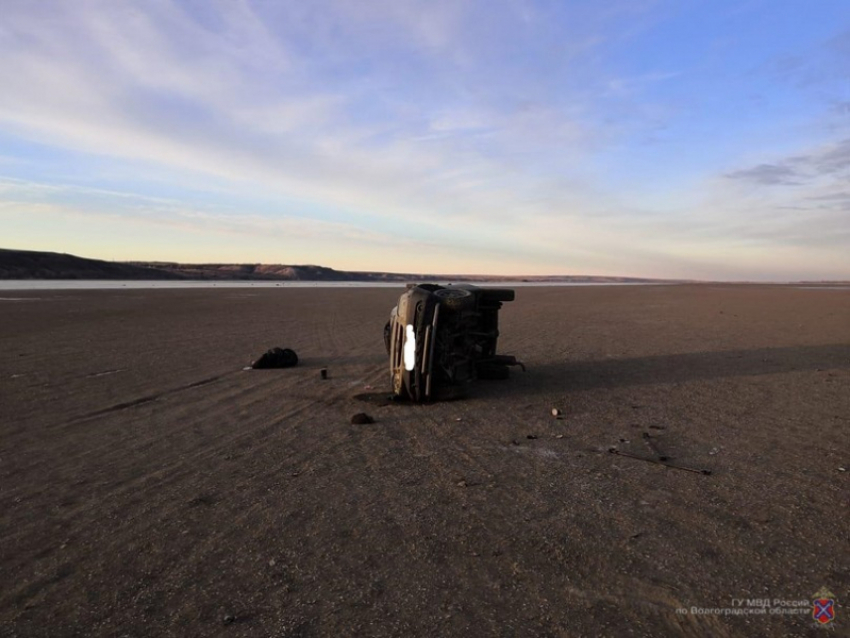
(663, 369)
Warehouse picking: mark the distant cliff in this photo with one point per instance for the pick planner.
(279, 272)
(271, 272)
(28, 264)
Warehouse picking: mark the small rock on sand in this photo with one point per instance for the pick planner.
(361, 418)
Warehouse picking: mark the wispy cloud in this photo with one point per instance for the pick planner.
(830, 162)
(769, 174)
(158, 86)
(483, 131)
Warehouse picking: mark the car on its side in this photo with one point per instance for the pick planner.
(440, 338)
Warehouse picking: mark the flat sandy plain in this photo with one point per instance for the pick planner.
(152, 487)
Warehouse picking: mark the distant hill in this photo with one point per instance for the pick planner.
(252, 272)
(28, 264)
(279, 272)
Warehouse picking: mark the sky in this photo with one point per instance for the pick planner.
(699, 139)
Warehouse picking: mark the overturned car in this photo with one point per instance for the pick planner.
(439, 338)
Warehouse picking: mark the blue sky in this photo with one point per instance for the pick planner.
(661, 138)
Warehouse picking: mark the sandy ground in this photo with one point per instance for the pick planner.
(151, 487)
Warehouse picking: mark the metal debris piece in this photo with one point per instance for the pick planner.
(650, 443)
(614, 450)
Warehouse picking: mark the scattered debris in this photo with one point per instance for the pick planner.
(229, 619)
(559, 436)
(650, 443)
(323, 373)
(556, 412)
(203, 499)
(361, 418)
(714, 451)
(379, 399)
(514, 442)
(614, 450)
(94, 374)
(276, 358)
(531, 436)
(657, 427)
(842, 469)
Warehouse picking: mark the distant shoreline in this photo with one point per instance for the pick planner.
(18, 266)
(35, 265)
(35, 285)
(105, 284)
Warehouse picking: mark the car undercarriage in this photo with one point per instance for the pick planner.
(441, 338)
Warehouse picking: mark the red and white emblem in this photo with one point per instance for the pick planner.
(823, 606)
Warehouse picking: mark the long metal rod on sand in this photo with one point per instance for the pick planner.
(614, 450)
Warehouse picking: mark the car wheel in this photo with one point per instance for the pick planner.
(289, 358)
(497, 294)
(455, 298)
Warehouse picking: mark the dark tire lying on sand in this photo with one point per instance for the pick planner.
(276, 358)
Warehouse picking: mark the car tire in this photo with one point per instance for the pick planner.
(497, 294)
(289, 358)
(455, 298)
